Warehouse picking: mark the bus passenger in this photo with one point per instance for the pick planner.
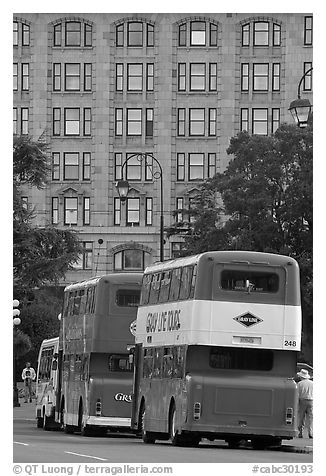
(305, 387)
(28, 375)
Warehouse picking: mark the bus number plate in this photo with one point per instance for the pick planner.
(246, 340)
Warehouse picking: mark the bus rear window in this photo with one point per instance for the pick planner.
(241, 359)
(249, 281)
(127, 297)
(119, 363)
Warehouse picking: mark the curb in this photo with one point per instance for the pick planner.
(294, 449)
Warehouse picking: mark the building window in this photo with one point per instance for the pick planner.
(181, 162)
(212, 122)
(212, 76)
(56, 121)
(86, 258)
(149, 122)
(119, 77)
(87, 76)
(55, 166)
(26, 35)
(183, 34)
(135, 34)
(276, 72)
(261, 33)
(134, 77)
(73, 33)
(118, 121)
(197, 33)
(57, 35)
(275, 119)
(211, 165)
(179, 209)
(308, 30)
(196, 122)
(150, 77)
(87, 122)
(134, 122)
(148, 168)
(15, 76)
(71, 122)
(133, 168)
(181, 122)
(212, 34)
(176, 249)
(131, 260)
(149, 211)
(71, 166)
(15, 120)
(197, 76)
(86, 211)
(259, 121)
(196, 166)
(307, 81)
(56, 76)
(260, 77)
(25, 76)
(150, 35)
(118, 166)
(86, 165)
(87, 35)
(276, 34)
(55, 211)
(245, 77)
(72, 77)
(244, 120)
(15, 33)
(245, 38)
(70, 211)
(24, 120)
(117, 211)
(181, 76)
(119, 35)
(132, 211)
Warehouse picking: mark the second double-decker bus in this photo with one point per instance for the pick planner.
(216, 345)
(95, 372)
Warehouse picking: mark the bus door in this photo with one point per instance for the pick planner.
(135, 353)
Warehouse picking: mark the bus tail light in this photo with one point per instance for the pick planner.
(197, 410)
(98, 411)
(289, 416)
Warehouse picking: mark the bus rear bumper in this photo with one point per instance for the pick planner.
(206, 431)
(109, 421)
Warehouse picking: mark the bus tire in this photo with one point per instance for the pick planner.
(68, 429)
(175, 437)
(39, 422)
(147, 436)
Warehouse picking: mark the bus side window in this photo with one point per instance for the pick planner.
(167, 371)
(186, 279)
(82, 301)
(178, 361)
(148, 363)
(165, 286)
(175, 284)
(146, 287)
(155, 288)
(157, 366)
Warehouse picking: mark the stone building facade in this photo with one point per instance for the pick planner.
(100, 87)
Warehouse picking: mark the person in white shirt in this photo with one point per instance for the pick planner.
(28, 375)
(305, 388)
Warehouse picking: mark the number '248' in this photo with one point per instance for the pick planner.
(290, 343)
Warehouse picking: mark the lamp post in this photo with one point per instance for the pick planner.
(301, 108)
(123, 188)
(16, 322)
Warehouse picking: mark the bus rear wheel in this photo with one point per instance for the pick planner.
(175, 437)
(147, 436)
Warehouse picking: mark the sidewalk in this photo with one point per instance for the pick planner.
(27, 411)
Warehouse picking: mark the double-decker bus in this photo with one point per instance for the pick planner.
(46, 383)
(96, 333)
(217, 338)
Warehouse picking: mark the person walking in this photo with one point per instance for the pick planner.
(28, 375)
(305, 388)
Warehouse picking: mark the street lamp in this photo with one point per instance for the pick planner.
(16, 322)
(301, 108)
(123, 188)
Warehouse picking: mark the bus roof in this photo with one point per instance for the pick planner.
(114, 278)
(231, 256)
(49, 342)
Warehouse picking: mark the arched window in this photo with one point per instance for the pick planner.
(131, 260)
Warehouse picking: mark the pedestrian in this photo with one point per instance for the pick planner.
(28, 375)
(305, 388)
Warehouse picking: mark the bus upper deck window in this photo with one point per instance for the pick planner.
(249, 281)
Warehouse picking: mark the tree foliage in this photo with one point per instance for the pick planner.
(261, 202)
(41, 255)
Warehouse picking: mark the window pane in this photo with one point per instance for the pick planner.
(196, 166)
(133, 259)
(261, 34)
(197, 121)
(135, 34)
(73, 30)
(135, 77)
(134, 121)
(198, 33)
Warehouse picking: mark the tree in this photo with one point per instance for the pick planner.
(41, 255)
(261, 202)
